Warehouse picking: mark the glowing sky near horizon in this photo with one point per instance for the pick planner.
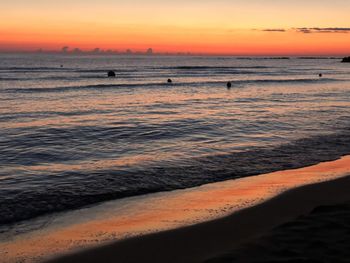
(207, 26)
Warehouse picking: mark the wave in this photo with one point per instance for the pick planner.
(126, 75)
(63, 78)
(5, 117)
(235, 83)
(220, 67)
(130, 70)
(33, 69)
(74, 189)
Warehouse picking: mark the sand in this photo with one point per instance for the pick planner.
(320, 236)
(320, 208)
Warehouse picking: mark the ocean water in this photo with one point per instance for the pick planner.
(71, 137)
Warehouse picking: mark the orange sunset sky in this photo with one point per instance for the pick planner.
(237, 27)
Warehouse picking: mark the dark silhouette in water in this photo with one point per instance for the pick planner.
(61, 66)
(229, 85)
(170, 81)
(346, 60)
(111, 74)
(320, 75)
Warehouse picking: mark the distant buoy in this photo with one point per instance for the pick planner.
(170, 81)
(320, 75)
(111, 74)
(229, 85)
(61, 66)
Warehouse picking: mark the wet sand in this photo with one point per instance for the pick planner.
(210, 240)
(190, 225)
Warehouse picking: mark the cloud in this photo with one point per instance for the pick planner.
(65, 49)
(310, 30)
(274, 30)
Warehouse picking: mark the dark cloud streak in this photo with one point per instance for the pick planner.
(311, 30)
(274, 30)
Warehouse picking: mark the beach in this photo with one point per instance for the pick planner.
(287, 224)
(185, 225)
(320, 236)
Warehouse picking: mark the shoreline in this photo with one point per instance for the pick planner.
(119, 221)
(203, 241)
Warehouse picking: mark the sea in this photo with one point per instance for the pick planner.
(70, 137)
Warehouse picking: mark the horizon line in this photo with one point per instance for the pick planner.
(165, 53)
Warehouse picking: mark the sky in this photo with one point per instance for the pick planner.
(234, 27)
